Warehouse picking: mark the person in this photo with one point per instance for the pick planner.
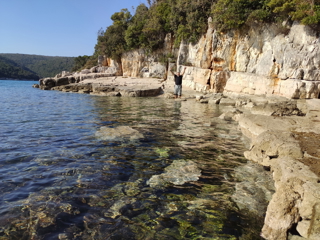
(178, 83)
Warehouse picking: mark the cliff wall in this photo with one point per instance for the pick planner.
(265, 60)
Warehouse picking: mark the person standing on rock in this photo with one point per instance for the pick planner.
(178, 83)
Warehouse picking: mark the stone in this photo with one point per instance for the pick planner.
(178, 173)
(65, 74)
(295, 237)
(118, 133)
(272, 144)
(282, 213)
(254, 188)
(283, 108)
(214, 100)
(62, 81)
(227, 102)
(85, 71)
(199, 97)
(228, 116)
(204, 100)
(93, 70)
(113, 94)
(314, 229)
(47, 83)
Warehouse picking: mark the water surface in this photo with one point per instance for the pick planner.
(58, 181)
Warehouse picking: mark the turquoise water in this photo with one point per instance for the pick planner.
(58, 181)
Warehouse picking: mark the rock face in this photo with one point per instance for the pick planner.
(266, 60)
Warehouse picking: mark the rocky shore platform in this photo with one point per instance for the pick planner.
(284, 138)
(105, 85)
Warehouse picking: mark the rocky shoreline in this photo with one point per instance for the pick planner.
(284, 138)
(105, 85)
(284, 135)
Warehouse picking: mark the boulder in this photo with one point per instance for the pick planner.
(272, 144)
(85, 71)
(283, 108)
(118, 133)
(47, 83)
(93, 69)
(178, 173)
(254, 188)
(227, 102)
(62, 81)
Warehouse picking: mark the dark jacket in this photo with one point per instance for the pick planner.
(178, 79)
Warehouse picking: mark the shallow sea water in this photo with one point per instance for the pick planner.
(58, 181)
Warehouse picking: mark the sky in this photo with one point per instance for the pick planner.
(56, 27)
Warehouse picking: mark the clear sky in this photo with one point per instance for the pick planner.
(56, 27)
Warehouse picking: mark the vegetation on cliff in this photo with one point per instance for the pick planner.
(187, 20)
(39, 66)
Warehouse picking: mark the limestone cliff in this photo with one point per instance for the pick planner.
(265, 60)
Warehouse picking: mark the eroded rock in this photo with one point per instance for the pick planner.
(178, 173)
(118, 133)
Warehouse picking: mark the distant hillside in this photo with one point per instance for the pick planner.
(10, 69)
(43, 66)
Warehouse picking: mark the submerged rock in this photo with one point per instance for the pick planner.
(118, 133)
(178, 173)
(254, 189)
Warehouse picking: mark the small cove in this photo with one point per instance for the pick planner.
(58, 180)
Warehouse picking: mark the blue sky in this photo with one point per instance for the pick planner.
(56, 27)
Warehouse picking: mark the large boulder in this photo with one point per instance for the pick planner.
(254, 188)
(47, 83)
(178, 173)
(62, 81)
(273, 144)
(118, 133)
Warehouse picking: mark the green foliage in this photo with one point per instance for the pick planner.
(306, 11)
(186, 20)
(157, 25)
(80, 62)
(91, 62)
(134, 35)
(10, 69)
(112, 43)
(232, 14)
(189, 19)
(42, 66)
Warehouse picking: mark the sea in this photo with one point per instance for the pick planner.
(60, 180)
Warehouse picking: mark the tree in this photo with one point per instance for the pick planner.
(134, 36)
(112, 43)
(306, 11)
(79, 62)
(233, 14)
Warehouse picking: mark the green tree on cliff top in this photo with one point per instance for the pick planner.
(187, 20)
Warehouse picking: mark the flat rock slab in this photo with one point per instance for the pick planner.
(253, 125)
(118, 133)
(178, 173)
